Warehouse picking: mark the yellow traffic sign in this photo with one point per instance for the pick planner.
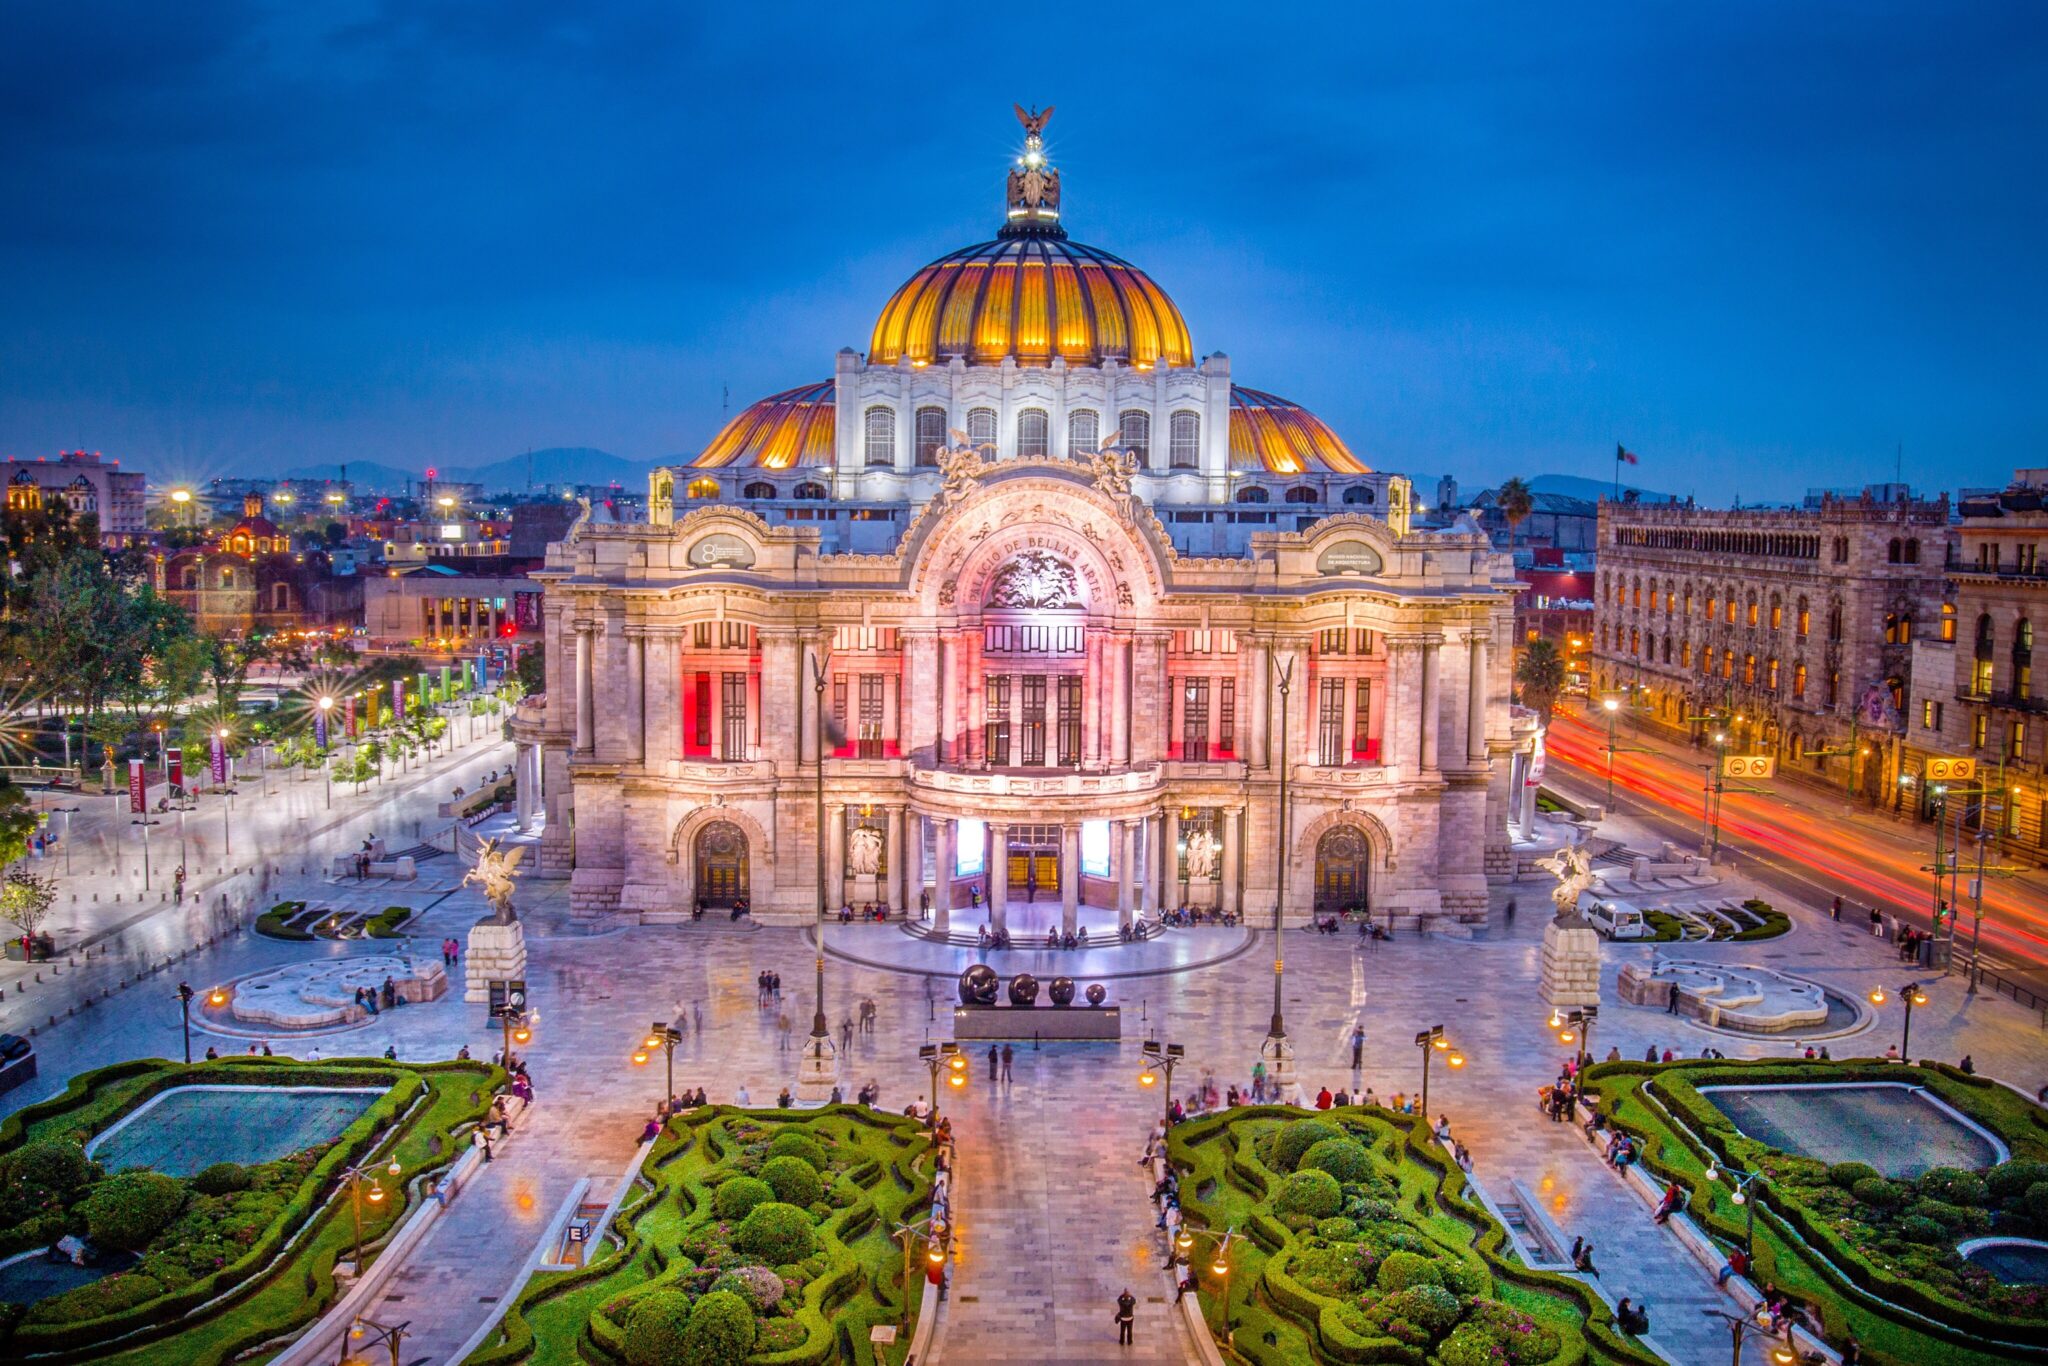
(1749, 766)
(1951, 770)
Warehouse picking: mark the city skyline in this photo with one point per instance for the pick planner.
(1768, 253)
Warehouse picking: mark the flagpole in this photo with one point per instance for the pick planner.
(1617, 471)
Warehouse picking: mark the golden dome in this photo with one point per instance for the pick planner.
(779, 432)
(1270, 435)
(1031, 297)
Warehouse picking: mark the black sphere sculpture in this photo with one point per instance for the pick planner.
(978, 986)
(1095, 993)
(1024, 990)
(1061, 991)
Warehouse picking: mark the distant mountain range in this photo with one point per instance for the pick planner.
(555, 465)
(1592, 490)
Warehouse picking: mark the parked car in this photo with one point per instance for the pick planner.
(1616, 919)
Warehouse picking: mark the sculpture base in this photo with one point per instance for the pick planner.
(1037, 1023)
(1571, 966)
(497, 953)
(1277, 1053)
(818, 1071)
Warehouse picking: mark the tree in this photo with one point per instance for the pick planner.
(17, 822)
(532, 671)
(1540, 673)
(25, 901)
(1515, 503)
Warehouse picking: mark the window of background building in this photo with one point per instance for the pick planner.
(1032, 731)
(1361, 725)
(1330, 722)
(1253, 494)
(1948, 621)
(1069, 720)
(1302, 493)
(1226, 715)
(1034, 433)
(1184, 441)
(758, 489)
(931, 436)
(1194, 719)
(981, 426)
(881, 437)
(1799, 681)
(870, 737)
(732, 703)
(1134, 433)
(996, 726)
(1777, 612)
(1982, 667)
(1084, 428)
(1979, 730)
(2023, 659)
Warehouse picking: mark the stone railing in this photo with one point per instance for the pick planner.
(968, 782)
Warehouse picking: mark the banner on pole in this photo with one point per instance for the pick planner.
(138, 787)
(398, 699)
(447, 691)
(174, 766)
(220, 761)
(320, 727)
(348, 716)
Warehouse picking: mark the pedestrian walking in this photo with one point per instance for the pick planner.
(1357, 1047)
(1126, 1315)
(1509, 917)
(1835, 909)
(1009, 1056)
(846, 1034)
(995, 1062)
(782, 1030)
(1876, 923)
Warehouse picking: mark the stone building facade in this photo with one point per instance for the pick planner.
(1009, 609)
(1794, 626)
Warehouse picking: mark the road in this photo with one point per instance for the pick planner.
(1808, 842)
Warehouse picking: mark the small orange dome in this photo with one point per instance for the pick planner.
(1270, 435)
(780, 432)
(1030, 297)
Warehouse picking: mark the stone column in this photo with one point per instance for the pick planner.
(1125, 847)
(949, 702)
(586, 710)
(1432, 700)
(636, 698)
(895, 884)
(918, 697)
(1119, 701)
(1227, 896)
(1475, 701)
(1092, 681)
(835, 856)
(913, 861)
(1257, 692)
(997, 861)
(1070, 877)
(1169, 863)
(942, 890)
(525, 785)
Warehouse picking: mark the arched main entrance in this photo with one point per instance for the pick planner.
(1343, 870)
(721, 854)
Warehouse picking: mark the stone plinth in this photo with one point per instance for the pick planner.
(1571, 964)
(818, 1071)
(496, 953)
(1278, 1056)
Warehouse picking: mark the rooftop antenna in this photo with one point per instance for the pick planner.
(724, 399)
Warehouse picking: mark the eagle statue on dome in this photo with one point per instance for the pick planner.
(1034, 185)
(1034, 122)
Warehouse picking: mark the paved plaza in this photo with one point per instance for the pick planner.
(1053, 1210)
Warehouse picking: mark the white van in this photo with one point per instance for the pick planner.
(1617, 919)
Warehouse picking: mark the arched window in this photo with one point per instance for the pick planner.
(1134, 433)
(1302, 493)
(1635, 641)
(1771, 673)
(1948, 621)
(808, 490)
(1636, 590)
(1358, 495)
(1835, 622)
(188, 577)
(881, 437)
(1798, 748)
(931, 435)
(1084, 429)
(760, 488)
(280, 597)
(1749, 671)
(227, 576)
(1913, 550)
(1711, 602)
(1184, 441)
(981, 426)
(1252, 494)
(1034, 433)
(1728, 664)
(1685, 654)
(707, 487)
(1729, 608)
(1667, 649)
(1798, 681)
(1749, 610)
(1894, 553)
(2023, 659)
(1834, 687)
(1777, 613)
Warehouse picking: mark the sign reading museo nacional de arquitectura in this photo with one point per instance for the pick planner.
(1043, 588)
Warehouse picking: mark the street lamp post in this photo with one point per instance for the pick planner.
(353, 1178)
(1219, 1266)
(1741, 1182)
(388, 1336)
(819, 1058)
(1912, 995)
(1277, 1050)
(1160, 1062)
(1612, 706)
(185, 995)
(942, 1057)
(1578, 1029)
(326, 704)
(1431, 1041)
(665, 1036)
(1783, 1354)
(227, 838)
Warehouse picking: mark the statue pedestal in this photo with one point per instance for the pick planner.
(818, 1070)
(496, 953)
(1278, 1056)
(1571, 965)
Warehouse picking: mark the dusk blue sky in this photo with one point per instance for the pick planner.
(1764, 245)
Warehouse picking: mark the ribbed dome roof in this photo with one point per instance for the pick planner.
(1270, 435)
(780, 432)
(1031, 297)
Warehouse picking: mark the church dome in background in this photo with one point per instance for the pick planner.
(1270, 435)
(783, 431)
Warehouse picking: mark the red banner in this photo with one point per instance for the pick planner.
(174, 767)
(348, 716)
(138, 787)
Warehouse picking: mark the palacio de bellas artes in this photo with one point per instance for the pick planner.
(810, 768)
(1131, 636)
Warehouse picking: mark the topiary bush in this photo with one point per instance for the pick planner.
(1952, 1185)
(54, 1164)
(1310, 1192)
(129, 1209)
(796, 1143)
(2037, 1201)
(735, 1198)
(2010, 1180)
(757, 1285)
(1847, 1174)
(1431, 1308)
(222, 1178)
(720, 1333)
(777, 1233)
(1879, 1192)
(1915, 1228)
(1344, 1158)
(1337, 1230)
(1297, 1138)
(794, 1181)
(1405, 1270)
(656, 1328)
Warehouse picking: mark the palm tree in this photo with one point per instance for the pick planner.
(1540, 672)
(1515, 503)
